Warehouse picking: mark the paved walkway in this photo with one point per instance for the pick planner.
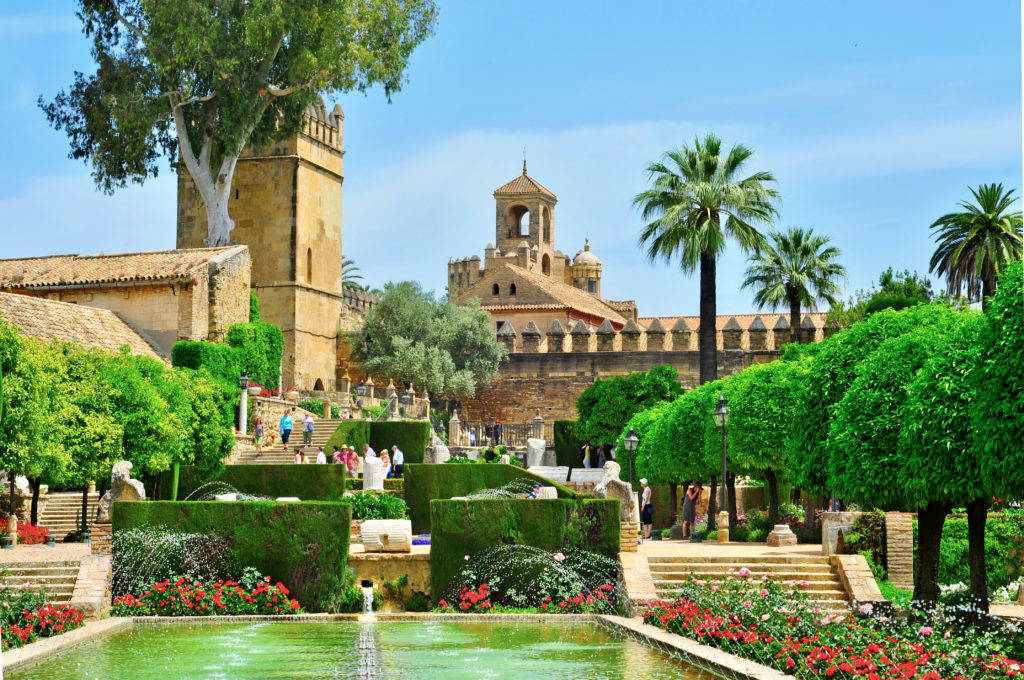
(716, 549)
(62, 552)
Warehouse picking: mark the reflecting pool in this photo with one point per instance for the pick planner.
(428, 650)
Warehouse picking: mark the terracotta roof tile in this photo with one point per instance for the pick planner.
(70, 270)
(744, 320)
(524, 184)
(87, 326)
(574, 298)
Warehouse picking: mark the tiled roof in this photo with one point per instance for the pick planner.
(87, 326)
(526, 307)
(524, 184)
(744, 320)
(574, 298)
(69, 270)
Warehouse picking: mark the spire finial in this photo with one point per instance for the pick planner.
(524, 161)
(586, 244)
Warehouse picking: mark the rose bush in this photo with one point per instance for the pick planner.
(26, 616)
(28, 534)
(185, 597)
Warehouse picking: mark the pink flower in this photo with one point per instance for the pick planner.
(926, 630)
(763, 593)
(865, 608)
(748, 604)
(714, 589)
(559, 557)
(466, 558)
(804, 584)
(744, 572)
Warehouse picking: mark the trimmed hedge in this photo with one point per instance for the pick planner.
(303, 545)
(567, 444)
(427, 482)
(1004, 550)
(260, 345)
(466, 527)
(308, 482)
(351, 432)
(412, 437)
(222, 361)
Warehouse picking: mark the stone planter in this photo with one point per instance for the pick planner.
(255, 391)
(292, 396)
(357, 528)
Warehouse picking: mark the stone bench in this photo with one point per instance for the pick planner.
(387, 535)
(554, 474)
(584, 475)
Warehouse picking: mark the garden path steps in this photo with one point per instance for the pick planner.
(63, 510)
(825, 587)
(57, 578)
(323, 428)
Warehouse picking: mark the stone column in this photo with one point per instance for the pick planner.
(723, 526)
(537, 427)
(579, 337)
(656, 336)
(605, 337)
(373, 474)
(531, 338)
(345, 387)
(899, 548)
(681, 333)
(392, 396)
(507, 336)
(758, 334)
(781, 331)
(630, 335)
(327, 408)
(732, 334)
(556, 337)
(455, 430)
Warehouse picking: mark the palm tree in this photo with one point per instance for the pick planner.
(975, 245)
(349, 275)
(696, 200)
(797, 267)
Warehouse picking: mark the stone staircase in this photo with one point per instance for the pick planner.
(63, 510)
(323, 428)
(56, 578)
(825, 586)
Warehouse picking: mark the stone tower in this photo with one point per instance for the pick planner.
(586, 270)
(286, 204)
(525, 214)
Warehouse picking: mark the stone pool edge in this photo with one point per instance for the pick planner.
(706, 658)
(46, 647)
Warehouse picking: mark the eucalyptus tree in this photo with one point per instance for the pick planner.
(196, 81)
(796, 268)
(697, 201)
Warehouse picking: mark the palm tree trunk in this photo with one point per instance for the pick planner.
(708, 344)
(988, 287)
(794, 319)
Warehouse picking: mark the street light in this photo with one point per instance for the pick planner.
(243, 402)
(630, 442)
(721, 416)
(361, 388)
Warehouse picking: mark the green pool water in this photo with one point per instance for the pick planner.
(411, 651)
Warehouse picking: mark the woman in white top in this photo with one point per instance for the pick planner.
(321, 457)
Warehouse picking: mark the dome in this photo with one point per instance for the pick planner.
(585, 256)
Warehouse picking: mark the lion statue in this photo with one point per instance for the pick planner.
(122, 488)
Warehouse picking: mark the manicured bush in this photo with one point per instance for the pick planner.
(412, 437)
(301, 544)
(373, 505)
(260, 346)
(467, 527)
(567, 444)
(1004, 551)
(224, 363)
(351, 432)
(425, 482)
(308, 482)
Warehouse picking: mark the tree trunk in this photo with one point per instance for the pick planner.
(85, 506)
(929, 536)
(794, 496)
(977, 514)
(712, 502)
(219, 222)
(773, 496)
(730, 482)
(810, 511)
(35, 483)
(794, 319)
(673, 494)
(708, 335)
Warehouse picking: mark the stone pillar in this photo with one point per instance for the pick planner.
(732, 334)
(507, 336)
(243, 412)
(368, 383)
(579, 338)
(345, 387)
(681, 332)
(630, 334)
(455, 430)
(537, 426)
(723, 526)
(808, 331)
(373, 474)
(392, 397)
(656, 336)
(327, 408)
(899, 548)
(556, 337)
(605, 337)
(781, 331)
(758, 334)
(781, 536)
(532, 338)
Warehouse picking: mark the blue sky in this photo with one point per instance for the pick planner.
(874, 117)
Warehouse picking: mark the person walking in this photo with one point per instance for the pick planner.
(321, 457)
(352, 461)
(497, 431)
(385, 462)
(690, 499)
(398, 461)
(298, 457)
(646, 509)
(585, 454)
(307, 430)
(257, 435)
(286, 428)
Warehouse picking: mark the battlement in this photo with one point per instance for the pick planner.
(324, 127)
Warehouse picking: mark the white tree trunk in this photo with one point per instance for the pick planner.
(219, 222)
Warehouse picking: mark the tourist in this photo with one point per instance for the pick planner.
(646, 509)
(585, 454)
(257, 435)
(385, 463)
(398, 461)
(307, 430)
(352, 463)
(600, 458)
(536, 491)
(337, 457)
(286, 428)
(497, 432)
(368, 452)
(344, 414)
(321, 457)
(690, 500)
(472, 436)
(298, 457)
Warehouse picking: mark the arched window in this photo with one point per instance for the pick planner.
(512, 289)
(546, 219)
(495, 290)
(309, 265)
(318, 386)
(519, 216)
(545, 264)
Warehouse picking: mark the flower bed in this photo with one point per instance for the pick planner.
(184, 597)
(478, 600)
(780, 628)
(26, 616)
(28, 534)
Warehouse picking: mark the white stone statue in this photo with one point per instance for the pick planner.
(535, 452)
(387, 535)
(122, 488)
(373, 474)
(437, 452)
(611, 486)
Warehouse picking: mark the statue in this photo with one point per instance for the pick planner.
(611, 486)
(122, 488)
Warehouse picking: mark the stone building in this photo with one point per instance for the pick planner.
(286, 203)
(164, 296)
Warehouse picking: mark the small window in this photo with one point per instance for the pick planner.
(309, 265)
(495, 290)
(512, 289)
(236, 194)
(591, 286)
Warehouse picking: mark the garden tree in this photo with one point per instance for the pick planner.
(762, 399)
(350, 275)
(697, 200)
(796, 268)
(975, 245)
(938, 458)
(896, 290)
(607, 405)
(863, 454)
(646, 459)
(411, 336)
(195, 81)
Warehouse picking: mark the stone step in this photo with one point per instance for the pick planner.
(830, 597)
(42, 568)
(759, 570)
(686, 574)
(834, 587)
(733, 560)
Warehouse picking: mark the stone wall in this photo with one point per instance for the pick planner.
(227, 293)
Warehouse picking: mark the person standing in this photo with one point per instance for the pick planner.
(257, 435)
(368, 452)
(497, 431)
(321, 457)
(585, 454)
(307, 430)
(690, 499)
(385, 462)
(351, 461)
(646, 509)
(398, 461)
(338, 457)
(286, 428)
(298, 457)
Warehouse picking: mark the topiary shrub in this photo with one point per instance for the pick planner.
(412, 437)
(351, 432)
(567, 444)
(308, 482)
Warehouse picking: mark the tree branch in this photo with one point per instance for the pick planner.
(120, 17)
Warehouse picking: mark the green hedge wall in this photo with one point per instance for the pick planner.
(1004, 550)
(303, 545)
(260, 345)
(351, 432)
(412, 437)
(567, 444)
(427, 482)
(308, 482)
(223, 362)
(463, 528)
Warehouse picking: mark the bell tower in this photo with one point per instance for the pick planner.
(525, 212)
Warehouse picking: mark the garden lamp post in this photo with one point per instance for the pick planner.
(720, 416)
(243, 402)
(630, 442)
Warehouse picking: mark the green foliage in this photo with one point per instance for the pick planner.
(411, 336)
(567, 444)
(605, 407)
(308, 482)
(1004, 551)
(302, 544)
(424, 483)
(895, 290)
(223, 362)
(254, 308)
(354, 433)
(412, 437)
(467, 527)
(372, 505)
(260, 345)
(867, 535)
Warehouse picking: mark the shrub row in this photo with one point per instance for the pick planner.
(308, 482)
(411, 436)
(567, 444)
